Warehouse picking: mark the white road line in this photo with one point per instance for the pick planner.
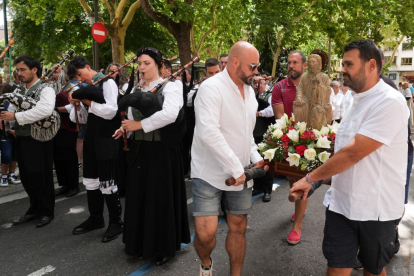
(43, 271)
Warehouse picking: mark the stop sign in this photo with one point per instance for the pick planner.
(98, 32)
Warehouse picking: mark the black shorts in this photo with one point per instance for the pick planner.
(343, 237)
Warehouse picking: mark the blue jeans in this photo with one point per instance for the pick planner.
(207, 199)
(6, 148)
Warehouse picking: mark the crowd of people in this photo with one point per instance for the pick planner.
(206, 131)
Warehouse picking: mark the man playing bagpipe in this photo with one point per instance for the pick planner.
(100, 151)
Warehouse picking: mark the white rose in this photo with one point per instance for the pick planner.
(302, 127)
(261, 145)
(324, 130)
(277, 133)
(269, 154)
(334, 127)
(324, 156)
(286, 117)
(293, 135)
(317, 133)
(310, 154)
(281, 123)
(293, 159)
(323, 142)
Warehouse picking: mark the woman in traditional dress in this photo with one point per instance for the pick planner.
(156, 219)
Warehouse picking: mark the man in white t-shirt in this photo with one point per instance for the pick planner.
(369, 166)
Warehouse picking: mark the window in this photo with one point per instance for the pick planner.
(387, 58)
(406, 61)
(407, 46)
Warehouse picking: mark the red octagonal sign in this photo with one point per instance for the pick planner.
(98, 32)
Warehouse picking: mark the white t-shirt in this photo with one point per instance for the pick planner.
(348, 101)
(406, 93)
(374, 188)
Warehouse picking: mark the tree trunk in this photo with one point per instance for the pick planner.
(182, 35)
(118, 44)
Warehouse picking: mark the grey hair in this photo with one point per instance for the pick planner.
(335, 83)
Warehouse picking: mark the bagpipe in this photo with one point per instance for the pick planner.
(42, 130)
(147, 103)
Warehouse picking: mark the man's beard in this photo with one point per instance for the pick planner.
(357, 82)
(241, 75)
(296, 74)
(27, 80)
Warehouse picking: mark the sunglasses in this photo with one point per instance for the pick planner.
(254, 66)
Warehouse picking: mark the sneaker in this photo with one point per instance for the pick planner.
(14, 180)
(294, 216)
(17, 172)
(294, 237)
(4, 182)
(206, 271)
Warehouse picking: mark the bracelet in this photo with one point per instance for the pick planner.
(309, 180)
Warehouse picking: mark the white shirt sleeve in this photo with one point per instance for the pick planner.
(385, 122)
(268, 111)
(43, 109)
(107, 110)
(82, 115)
(173, 102)
(208, 112)
(254, 154)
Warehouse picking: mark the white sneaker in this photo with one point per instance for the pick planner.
(14, 180)
(207, 272)
(17, 172)
(4, 182)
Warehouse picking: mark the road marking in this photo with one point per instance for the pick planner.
(43, 271)
(148, 266)
(76, 210)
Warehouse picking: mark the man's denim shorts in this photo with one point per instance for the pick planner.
(207, 200)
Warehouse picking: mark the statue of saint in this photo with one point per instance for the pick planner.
(312, 102)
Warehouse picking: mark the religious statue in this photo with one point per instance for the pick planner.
(312, 102)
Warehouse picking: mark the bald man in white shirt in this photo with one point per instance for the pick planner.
(223, 145)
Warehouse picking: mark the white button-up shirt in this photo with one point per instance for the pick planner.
(373, 189)
(223, 141)
(348, 101)
(337, 102)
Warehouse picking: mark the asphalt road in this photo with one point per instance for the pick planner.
(53, 250)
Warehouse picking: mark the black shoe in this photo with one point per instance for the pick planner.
(44, 220)
(113, 231)
(257, 192)
(87, 226)
(161, 259)
(267, 197)
(62, 191)
(24, 219)
(72, 192)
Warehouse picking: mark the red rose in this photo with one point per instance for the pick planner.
(301, 149)
(293, 122)
(333, 136)
(290, 128)
(285, 145)
(285, 138)
(305, 135)
(312, 135)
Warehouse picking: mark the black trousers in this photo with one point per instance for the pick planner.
(264, 183)
(36, 173)
(186, 147)
(66, 159)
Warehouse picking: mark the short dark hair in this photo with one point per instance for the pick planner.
(302, 55)
(211, 62)
(31, 62)
(75, 64)
(167, 64)
(367, 51)
(224, 55)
